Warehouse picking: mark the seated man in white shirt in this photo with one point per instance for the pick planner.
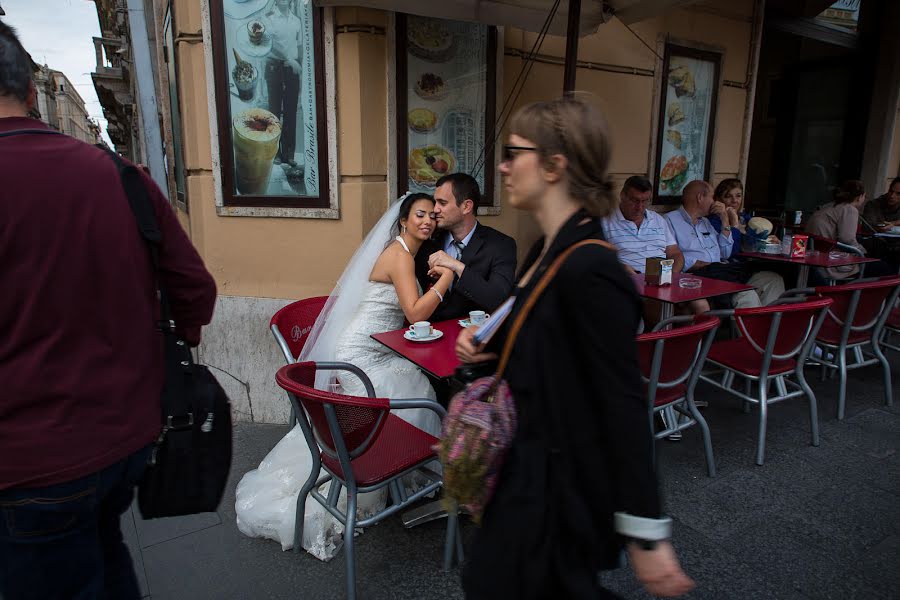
(640, 233)
(703, 247)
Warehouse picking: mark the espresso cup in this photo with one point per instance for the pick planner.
(421, 329)
(477, 317)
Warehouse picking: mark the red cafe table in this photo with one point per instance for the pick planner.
(437, 358)
(670, 295)
(813, 258)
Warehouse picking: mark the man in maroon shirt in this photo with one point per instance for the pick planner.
(81, 363)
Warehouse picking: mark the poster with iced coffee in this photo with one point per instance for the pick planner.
(272, 99)
(686, 121)
(446, 97)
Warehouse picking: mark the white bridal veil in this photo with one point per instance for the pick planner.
(348, 293)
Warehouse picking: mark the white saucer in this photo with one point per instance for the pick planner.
(438, 334)
(464, 323)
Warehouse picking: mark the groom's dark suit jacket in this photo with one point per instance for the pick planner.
(490, 259)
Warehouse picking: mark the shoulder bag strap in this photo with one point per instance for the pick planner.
(28, 131)
(542, 284)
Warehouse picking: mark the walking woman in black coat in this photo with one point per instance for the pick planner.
(578, 483)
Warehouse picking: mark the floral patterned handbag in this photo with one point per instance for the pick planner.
(481, 422)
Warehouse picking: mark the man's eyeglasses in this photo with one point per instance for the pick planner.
(422, 214)
(511, 152)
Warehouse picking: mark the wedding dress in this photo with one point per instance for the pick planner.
(266, 498)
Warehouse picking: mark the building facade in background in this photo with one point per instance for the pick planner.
(377, 102)
(115, 80)
(61, 106)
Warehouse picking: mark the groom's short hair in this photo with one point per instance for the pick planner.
(465, 187)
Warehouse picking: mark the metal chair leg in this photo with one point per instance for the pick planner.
(763, 414)
(748, 387)
(348, 544)
(300, 514)
(460, 557)
(707, 439)
(450, 541)
(813, 407)
(842, 390)
(886, 367)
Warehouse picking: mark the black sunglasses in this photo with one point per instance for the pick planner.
(510, 152)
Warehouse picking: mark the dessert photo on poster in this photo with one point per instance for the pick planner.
(269, 49)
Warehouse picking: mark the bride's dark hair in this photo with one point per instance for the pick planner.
(406, 207)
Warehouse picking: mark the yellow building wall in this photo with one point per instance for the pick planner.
(295, 258)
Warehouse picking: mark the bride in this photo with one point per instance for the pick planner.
(376, 292)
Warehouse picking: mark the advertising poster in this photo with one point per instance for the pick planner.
(446, 81)
(687, 112)
(271, 73)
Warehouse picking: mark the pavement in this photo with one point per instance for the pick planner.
(812, 523)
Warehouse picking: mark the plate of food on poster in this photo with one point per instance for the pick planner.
(429, 40)
(431, 86)
(429, 163)
(422, 120)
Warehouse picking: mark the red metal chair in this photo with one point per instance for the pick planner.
(362, 447)
(670, 361)
(856, 320)
(775, 341)
(292, 324)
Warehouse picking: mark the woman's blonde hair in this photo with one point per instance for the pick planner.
(575, 129)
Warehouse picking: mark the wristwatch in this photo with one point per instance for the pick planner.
(726, 228)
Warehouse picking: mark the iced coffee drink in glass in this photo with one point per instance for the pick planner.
(256, 133)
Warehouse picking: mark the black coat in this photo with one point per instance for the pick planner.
(583, 446)
(490, 259)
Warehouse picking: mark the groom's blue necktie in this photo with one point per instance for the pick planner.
(459, 249)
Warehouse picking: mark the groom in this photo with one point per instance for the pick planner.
(482, 258)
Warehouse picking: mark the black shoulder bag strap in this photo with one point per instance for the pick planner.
(176, 412)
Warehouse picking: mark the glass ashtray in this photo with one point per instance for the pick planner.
(690, 283)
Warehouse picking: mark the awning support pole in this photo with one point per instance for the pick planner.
(572, 46)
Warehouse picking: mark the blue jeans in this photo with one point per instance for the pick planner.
(64, 541)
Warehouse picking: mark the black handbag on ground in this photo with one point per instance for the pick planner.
(189, 465)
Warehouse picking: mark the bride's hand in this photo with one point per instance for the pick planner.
(438, 272)
(468, 351)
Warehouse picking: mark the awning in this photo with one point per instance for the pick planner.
(529, 15)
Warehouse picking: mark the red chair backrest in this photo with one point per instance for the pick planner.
(822, 244)
(360, 419)
(872, 297)
(680, 348)
(295, 321)
(797, 321)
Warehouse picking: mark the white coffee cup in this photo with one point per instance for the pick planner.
(421, 329)
(477, 317)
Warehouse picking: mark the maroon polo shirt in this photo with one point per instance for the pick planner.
(80, 356)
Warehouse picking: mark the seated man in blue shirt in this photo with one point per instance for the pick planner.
(705, 249)
(640, 233)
